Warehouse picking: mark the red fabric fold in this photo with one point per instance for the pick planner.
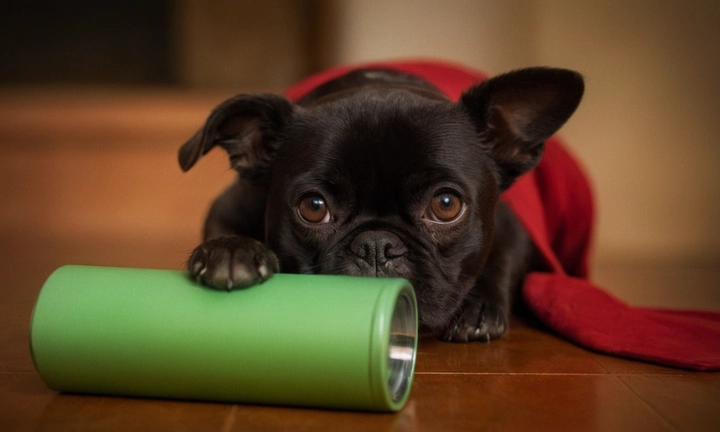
(554, 203)
(583, 313)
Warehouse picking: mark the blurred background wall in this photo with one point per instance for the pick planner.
(150, 71)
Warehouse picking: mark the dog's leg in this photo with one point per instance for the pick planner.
(233, 255)
(484, 314)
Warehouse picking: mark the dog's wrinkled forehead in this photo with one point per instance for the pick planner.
(384, 142)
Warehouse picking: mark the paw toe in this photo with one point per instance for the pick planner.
(229, 263)
(482, 324)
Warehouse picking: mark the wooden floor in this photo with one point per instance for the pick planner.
(72, 194)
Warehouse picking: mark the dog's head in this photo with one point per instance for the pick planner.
(388, 181)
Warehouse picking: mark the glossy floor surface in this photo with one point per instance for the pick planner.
(92, 179)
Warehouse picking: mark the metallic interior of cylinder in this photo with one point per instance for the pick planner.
(401, 352)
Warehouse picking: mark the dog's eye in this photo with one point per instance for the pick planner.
(444, 207)
(314, 210)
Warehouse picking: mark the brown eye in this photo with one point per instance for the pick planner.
(444, 207)
(314, 210)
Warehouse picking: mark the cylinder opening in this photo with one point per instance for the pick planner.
(401, 352)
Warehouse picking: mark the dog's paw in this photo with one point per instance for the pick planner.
(227, 263)
(477, 322)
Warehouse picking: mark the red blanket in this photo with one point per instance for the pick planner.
(554, 203)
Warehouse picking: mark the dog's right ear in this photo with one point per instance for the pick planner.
(246, 126)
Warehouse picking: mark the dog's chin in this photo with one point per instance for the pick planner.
(358, 267)
(438, 299)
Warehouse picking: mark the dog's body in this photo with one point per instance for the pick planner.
(378, 173)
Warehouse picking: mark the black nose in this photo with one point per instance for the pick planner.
(377, 247)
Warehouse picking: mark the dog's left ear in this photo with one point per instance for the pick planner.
(516, 112)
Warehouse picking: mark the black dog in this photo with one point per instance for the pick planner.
(377, 173)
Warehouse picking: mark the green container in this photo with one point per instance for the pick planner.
(322, 341)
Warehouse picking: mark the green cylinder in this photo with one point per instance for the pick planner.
(308, 340)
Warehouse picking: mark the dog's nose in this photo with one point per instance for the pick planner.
(377, 247)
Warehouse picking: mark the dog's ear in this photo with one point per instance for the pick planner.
(246, 126)
(516, 112)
